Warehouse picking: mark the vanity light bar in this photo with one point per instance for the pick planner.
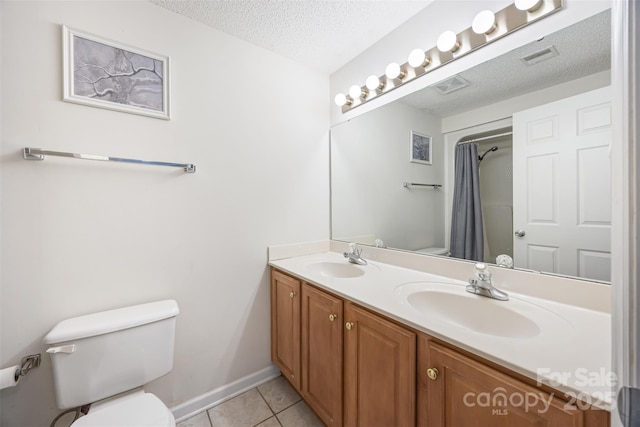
(450, 46)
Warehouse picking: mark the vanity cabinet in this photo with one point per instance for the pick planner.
(357, 368)
(379, 374)
(322, 323)
(351, 366)
(455, 389)
(285, 326)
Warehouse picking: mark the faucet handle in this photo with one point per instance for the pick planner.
(354, 255)
(481, 284)
(354, 250)
(482, 271)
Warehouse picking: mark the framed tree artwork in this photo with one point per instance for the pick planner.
(420, 148)
(107, 74)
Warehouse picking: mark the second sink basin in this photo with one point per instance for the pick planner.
(472, 313)
(336, 269)
(452, 304)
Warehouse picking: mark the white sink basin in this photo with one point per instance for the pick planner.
(451, 303)
(336, 269)
(472, 313)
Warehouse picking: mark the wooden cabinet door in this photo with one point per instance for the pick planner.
(379, 374)
(467, 393)
(285, 326)
(322, 354)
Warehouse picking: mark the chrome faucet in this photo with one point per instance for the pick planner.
(353, 255)
(481, 284)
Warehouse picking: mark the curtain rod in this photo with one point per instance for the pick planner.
(484, 138)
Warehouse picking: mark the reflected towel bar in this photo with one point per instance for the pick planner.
(416, 184)
(38, 154)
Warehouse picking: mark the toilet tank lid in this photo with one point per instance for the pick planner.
(111, 321)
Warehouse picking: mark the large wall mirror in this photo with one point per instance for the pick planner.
(512, 155)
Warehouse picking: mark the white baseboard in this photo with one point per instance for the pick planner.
(214, 397)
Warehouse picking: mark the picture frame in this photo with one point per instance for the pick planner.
(103, 73)
(420, 148)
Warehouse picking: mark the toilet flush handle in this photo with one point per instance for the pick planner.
(62, 349)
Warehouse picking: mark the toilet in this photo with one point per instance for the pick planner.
(434, 251)
(105, 358)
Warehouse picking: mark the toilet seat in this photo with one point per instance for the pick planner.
(141, 410)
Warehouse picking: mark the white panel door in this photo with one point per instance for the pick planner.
(562, 186)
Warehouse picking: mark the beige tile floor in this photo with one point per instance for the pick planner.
(272, 404)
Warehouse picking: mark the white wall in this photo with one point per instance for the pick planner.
(506, 108)
(81, 236)
(369, 163)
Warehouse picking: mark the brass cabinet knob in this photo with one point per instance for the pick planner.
(333, 317)
(292, 294)
(349, 325)
(432, 373)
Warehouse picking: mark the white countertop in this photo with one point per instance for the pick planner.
(572, 352)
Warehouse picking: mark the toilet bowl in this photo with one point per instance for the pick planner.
(104, 359)
(434, 251)
(140, 409)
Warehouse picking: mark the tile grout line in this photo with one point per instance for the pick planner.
(273, 413)
(265, 401)
(293, 404)
(283, 409)
(209, 417)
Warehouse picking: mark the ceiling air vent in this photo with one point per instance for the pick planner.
(450, 85)
(539, 56)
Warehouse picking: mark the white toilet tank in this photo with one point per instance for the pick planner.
(102, 354)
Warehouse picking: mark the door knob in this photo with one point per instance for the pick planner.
(432, 373)
(333, 317)
(292, 294)
(519, 233)
(349, 325)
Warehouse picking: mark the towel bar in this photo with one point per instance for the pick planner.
(39, 154)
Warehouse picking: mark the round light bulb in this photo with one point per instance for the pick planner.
(373, 83)
(341, 99)
(448, 42)
(356, 92)
(417, 58)
(484, 22)
(528, 5)
(394, 71)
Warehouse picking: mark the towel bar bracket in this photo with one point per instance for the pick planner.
(28, 155)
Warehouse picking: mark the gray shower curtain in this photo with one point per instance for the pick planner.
(467, 240)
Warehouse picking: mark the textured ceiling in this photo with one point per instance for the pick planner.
(583, 49)
(323, 34)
